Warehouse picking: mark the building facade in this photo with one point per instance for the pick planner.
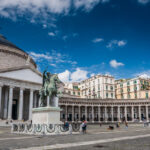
(20, 82)
(110, 111)
(72, 89)
(98, 86)
(136, 88)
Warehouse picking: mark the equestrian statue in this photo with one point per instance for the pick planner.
(51, 87)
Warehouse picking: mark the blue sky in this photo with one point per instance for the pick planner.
(79, 38)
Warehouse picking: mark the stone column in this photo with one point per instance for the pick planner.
(85, 113)
(147, 117)
(112, 113)
(92, 113)
(39, 103)
(125, 113)
(140, 114)
(106, 118)
(132, 113)
(20, 104)
(10, 103)
(6, 104)
(99, 114)
(79, 113)
(48, 101)
(66, 114)
(119, 114)
(30, 104)
(0, 100)
(35, 100)
(72, 113)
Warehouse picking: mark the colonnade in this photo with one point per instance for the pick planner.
(8, 102)
(105, 113)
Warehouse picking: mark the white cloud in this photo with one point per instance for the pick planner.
(65, 37)
(93, 74)
(51, 33)
(79, 75)
(53, 58)
(144, 74)
(43, 8)
(122, 43)
(64, 76)
(115, 64)
(44, 26)
(116, 43)
(76, 76)
(54, 65)
(143, 1)
(37, 56)
(87, 5)
(97, 40)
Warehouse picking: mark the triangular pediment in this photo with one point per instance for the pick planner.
(25, 74)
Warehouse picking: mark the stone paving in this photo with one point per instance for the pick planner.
(96, 138)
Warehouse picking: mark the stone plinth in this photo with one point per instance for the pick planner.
(46, 115)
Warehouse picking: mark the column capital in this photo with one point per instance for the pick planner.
(22, 88)
(32, 90)
(11, 86)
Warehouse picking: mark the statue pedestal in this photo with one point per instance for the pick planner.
(46, 115)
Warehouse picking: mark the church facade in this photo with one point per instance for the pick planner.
(20, 82)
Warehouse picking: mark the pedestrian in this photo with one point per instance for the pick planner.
(126, 125)
(70, 129)
(66, 125)
(83, 125)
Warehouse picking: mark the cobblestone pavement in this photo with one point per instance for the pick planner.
(136, 137)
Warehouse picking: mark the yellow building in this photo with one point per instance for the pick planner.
(136, 88)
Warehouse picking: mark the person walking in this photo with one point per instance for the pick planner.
(83, 125)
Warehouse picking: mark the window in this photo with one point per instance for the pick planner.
(121, 85)
(73, 93)
(111, 88)
(128, 89)
(78, 93)
(106, 95)
(135, 81)
(98, 95)
(106, 87)
(128, 96)
(135, 95)
(111, 95)
(147, 95)
(128, 83)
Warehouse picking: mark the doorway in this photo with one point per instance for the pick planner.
(14, 109)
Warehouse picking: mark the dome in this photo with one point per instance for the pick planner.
(11, 56)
